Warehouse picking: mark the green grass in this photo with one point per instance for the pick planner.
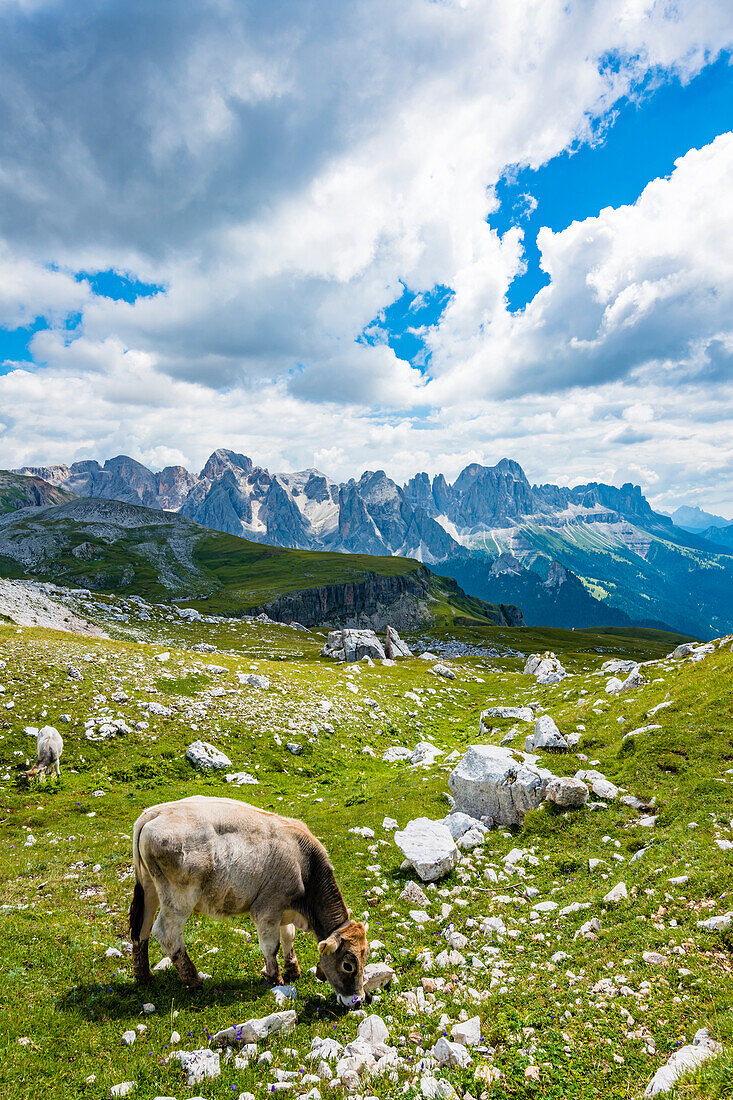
(61, 914)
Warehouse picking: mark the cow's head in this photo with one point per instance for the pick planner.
(343, 956)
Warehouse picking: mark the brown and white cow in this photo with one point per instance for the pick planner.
(225, 858)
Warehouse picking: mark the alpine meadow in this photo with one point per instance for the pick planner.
(366, 550)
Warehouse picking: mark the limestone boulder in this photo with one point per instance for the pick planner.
(566, 791)
(353, 645)
(514, 714)
(493, 782)
(429, 847)
(207, 757)
(394, 646)
(545, 667)
(546, 736)
(253, 680)
(253, 1031)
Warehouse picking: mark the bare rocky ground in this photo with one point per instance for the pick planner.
(570, 955)
(29, 605)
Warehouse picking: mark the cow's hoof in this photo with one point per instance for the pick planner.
(272, 979)
(291, 973)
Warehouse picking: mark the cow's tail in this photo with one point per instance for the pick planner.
(137, 905)
(137, 912)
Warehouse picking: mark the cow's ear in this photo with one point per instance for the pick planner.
(327, 947)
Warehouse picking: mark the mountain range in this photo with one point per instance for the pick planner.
(591, 555)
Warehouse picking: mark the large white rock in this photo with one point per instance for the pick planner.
(517, 714)
(682, 1061)
(252, 1031)
(198, 1064)
(377, 975)
(190, 614)
(490, 781)
(394, 646)
(617, 894)
(206, 757)
(612, 667)
(415, 895)
(352, 645)
(717, 924)
(684, 650)
(460, 824)
(373, 1029)
(252, 679)
(614, 686)
(396, 752)
(546, 736)
(444, 671)
(424, 753)
(566, 791)
(545, 667)
(467, 1032)
(429, 847)
(241, 779)
(601, 787)
(632, 681)
(451, 1054)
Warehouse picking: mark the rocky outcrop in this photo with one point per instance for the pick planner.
(353, 645)
(375, 602)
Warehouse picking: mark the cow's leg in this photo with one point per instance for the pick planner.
(168, 931)
(291, 969)
(57, 766)
(268, 933)
(142, 916)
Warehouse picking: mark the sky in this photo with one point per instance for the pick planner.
(371, 235)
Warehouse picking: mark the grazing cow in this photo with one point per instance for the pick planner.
(49, 746)
(225, 858)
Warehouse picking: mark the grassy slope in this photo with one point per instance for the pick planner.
(226, 574)
(19, 491)
(61, 992)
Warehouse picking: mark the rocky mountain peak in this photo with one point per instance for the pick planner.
(222, 459)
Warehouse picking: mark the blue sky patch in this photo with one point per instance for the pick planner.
(15, 342)
(403, 325)
(118, 287)
(646, 135)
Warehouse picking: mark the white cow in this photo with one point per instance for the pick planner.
(49, 746)
(225, 858)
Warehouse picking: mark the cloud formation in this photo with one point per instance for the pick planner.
(283, 169)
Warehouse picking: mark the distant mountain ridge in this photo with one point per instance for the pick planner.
(695, 519)
(631, 563)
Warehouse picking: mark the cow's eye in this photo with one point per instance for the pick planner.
(348, 967)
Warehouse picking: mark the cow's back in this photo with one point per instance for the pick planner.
(225, 852)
